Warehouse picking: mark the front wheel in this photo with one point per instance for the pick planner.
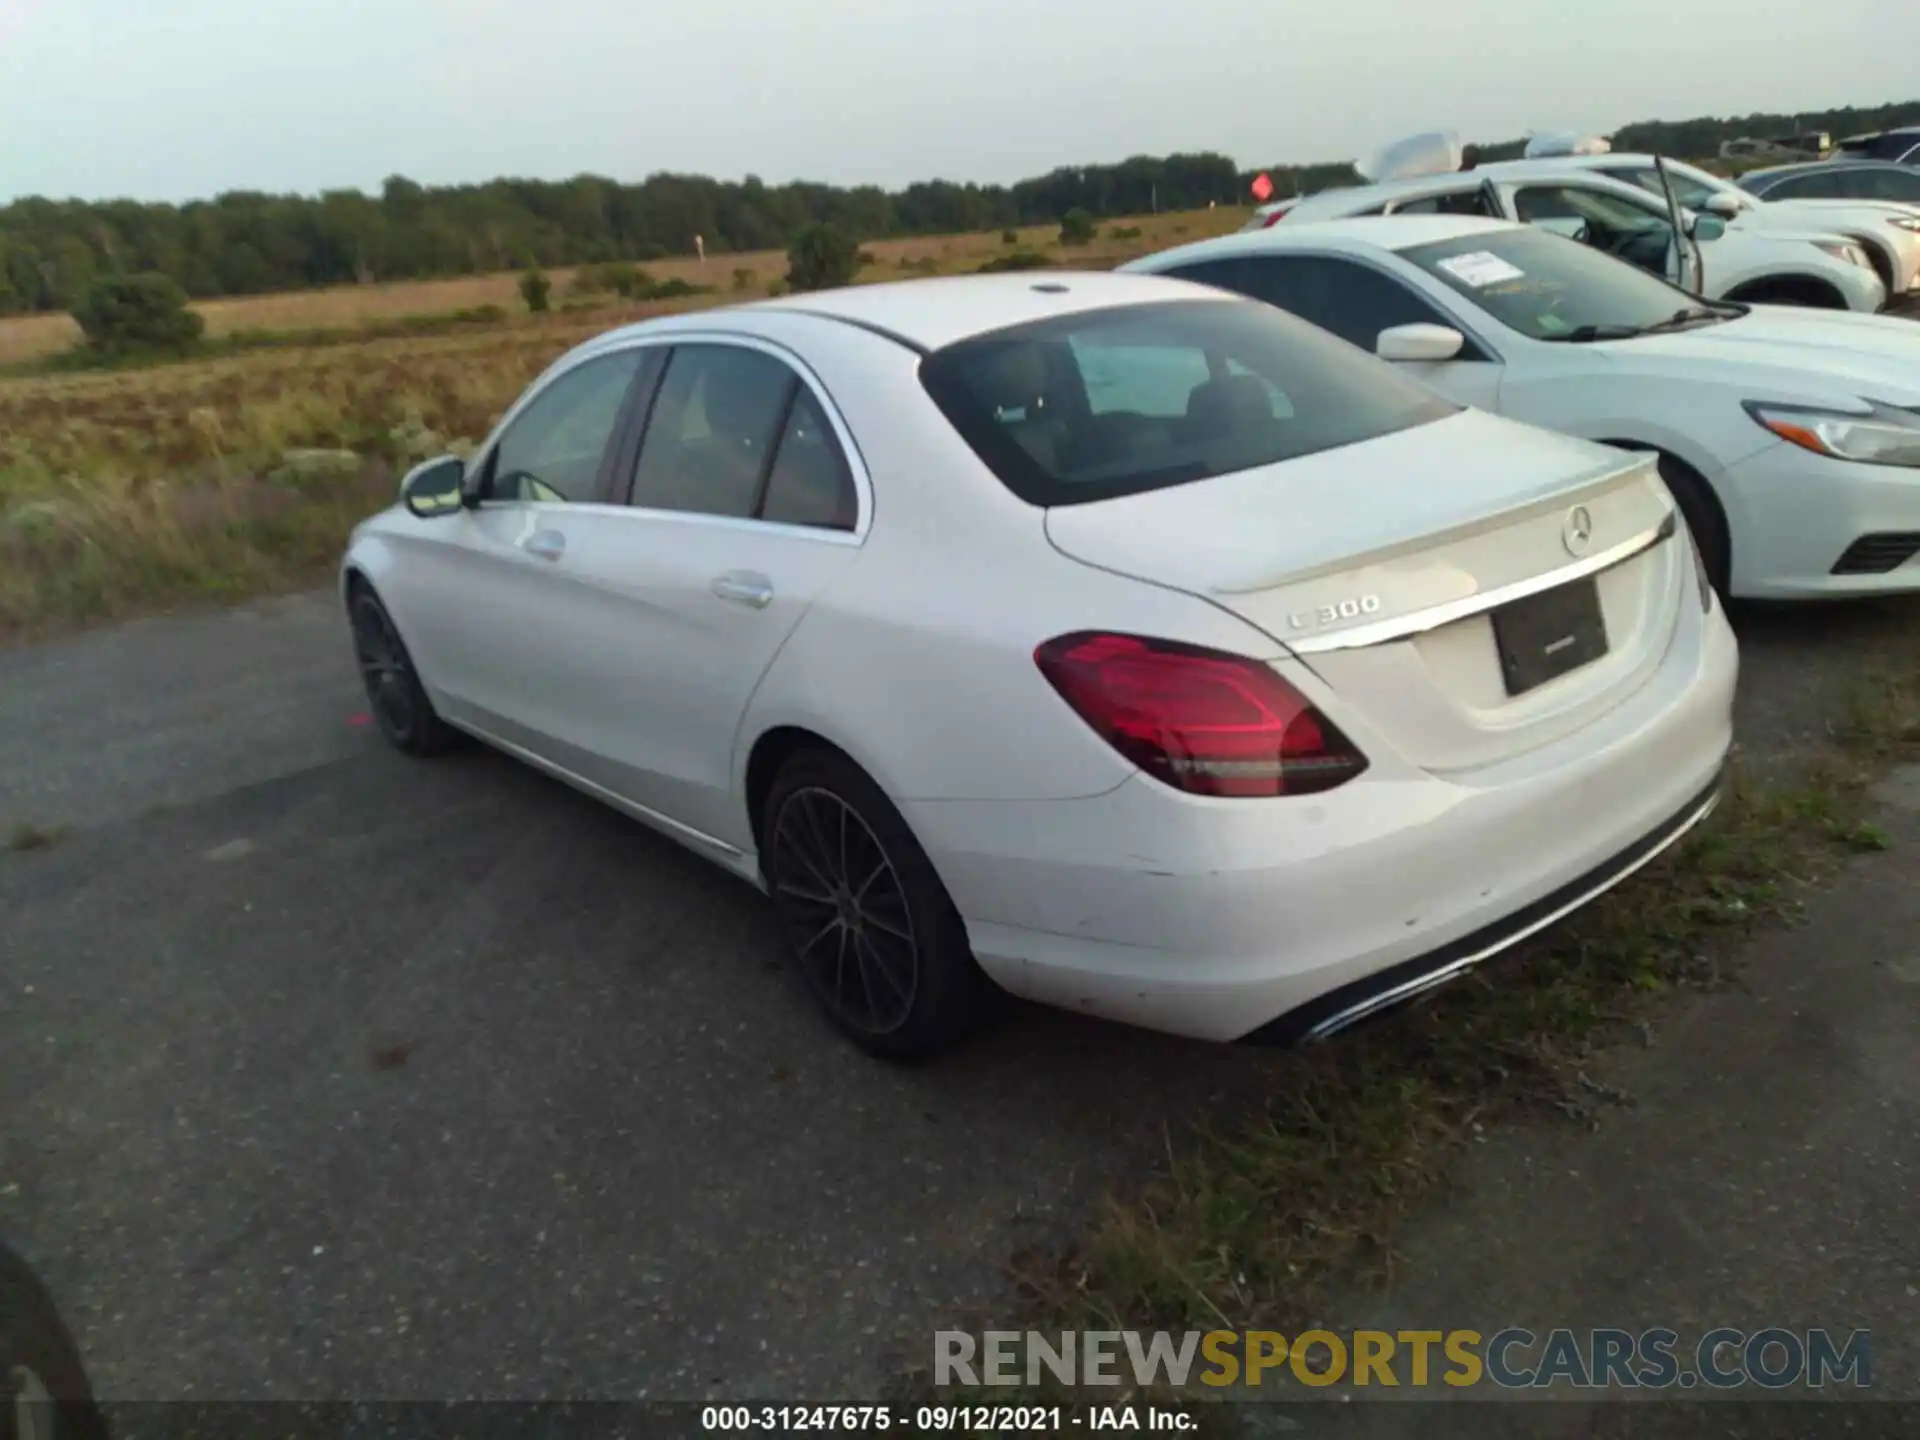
(871, 927)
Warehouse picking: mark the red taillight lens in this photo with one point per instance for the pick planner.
(1272, 220)
(1200, 720)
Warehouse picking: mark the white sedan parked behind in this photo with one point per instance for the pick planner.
(1790, 436)
(1144, 648)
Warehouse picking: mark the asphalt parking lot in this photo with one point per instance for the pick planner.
(330, 1073)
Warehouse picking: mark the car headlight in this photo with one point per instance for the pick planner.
(1841, 250)
(1881, 435)
(1905, 222)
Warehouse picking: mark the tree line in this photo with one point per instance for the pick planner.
(248, 242)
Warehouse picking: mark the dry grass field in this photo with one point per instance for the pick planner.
(30, 337)
(123, 491)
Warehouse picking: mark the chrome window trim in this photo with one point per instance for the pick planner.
(773, 349)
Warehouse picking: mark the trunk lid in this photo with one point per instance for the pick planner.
(1382, 565)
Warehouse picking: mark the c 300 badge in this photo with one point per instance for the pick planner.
(1323, 615)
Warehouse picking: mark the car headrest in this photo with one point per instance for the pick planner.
(1014, 378)
(1233, 402)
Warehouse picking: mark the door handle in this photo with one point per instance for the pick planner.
(743, 587)
(545, 544)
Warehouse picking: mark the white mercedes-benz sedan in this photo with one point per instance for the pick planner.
(1790, 437)
(1127, 643)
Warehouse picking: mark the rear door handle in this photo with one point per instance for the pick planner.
(743, 587)
(545, 544)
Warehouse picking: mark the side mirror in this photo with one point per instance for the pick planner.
(433, 489)
(1419, 342)
(1707, 227)
(1724, 205)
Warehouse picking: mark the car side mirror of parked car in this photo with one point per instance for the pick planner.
(1419, 342)
(1707, 227)
(433, 489)
(1724, 205)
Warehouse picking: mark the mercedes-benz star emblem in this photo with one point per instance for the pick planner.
(1578, 531)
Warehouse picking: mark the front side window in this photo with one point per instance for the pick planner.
(1141, 397)
(1548, 288)
(554, 449)
(734, 433)
(1690, 190)
(1593, 217)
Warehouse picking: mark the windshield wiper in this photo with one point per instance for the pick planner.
(1691, 315)
(1587, 334)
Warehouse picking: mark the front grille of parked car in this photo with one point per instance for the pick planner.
(1877, 554)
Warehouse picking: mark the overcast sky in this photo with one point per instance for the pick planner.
(178, 99)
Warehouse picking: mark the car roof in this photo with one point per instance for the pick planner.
(922, 315)
(933, 313)
(1567, 162)
(1452, 181)
(1378, 232)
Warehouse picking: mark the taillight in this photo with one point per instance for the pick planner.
(1274, 219)
(1200, 720)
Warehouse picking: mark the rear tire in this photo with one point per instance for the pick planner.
(872, 929)
(1701, 511)
(394, 693)
(43, 1384)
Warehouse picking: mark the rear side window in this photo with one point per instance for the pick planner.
(1141, 397)
(735, 433)
(1814, 185)
(810, 483)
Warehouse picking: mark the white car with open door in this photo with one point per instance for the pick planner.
(1790, 437)
(1770, 266)
(1135, 645)
(1887, 231)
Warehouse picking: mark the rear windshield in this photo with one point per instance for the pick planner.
(1141, 397)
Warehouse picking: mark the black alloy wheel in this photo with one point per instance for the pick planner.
(876, 936)
(400, 705)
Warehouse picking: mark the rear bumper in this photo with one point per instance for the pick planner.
(1353, 1003)
(1213, 918)
(1794, 514)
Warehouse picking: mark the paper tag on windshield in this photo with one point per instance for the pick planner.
(1480, 269)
